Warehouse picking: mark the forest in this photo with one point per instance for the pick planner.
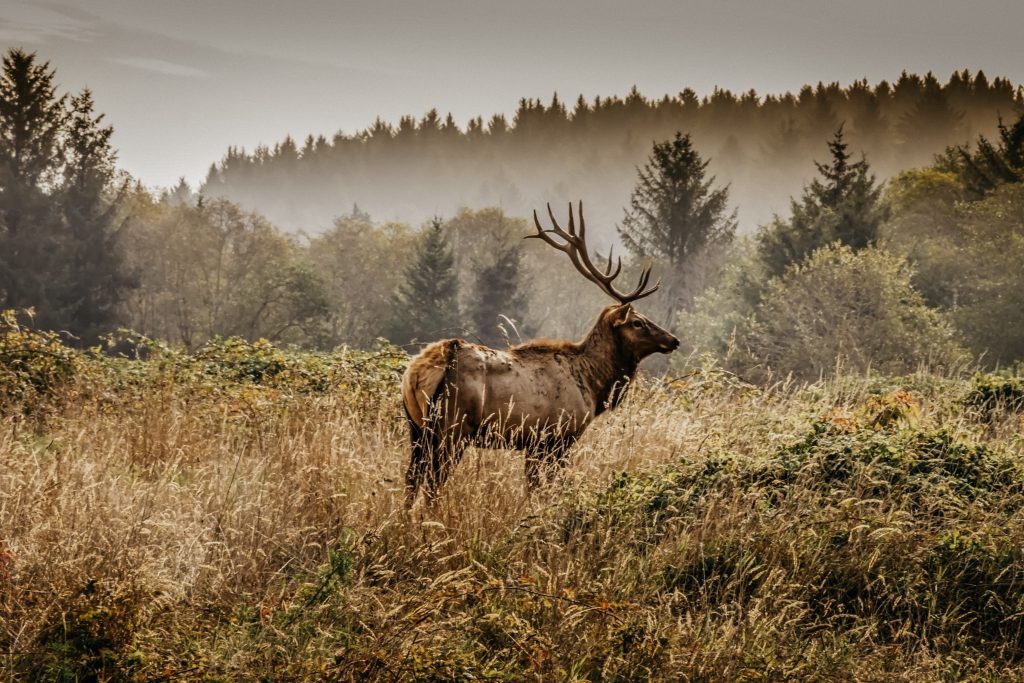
(902, 246)
(202, 442)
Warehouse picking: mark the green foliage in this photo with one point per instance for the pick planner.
(927, 228)
(426, 305)
(91, 635)
(488, 249)
(990, 165)
(58, 231)
(359, 262)
(720, 311)
(934, 471)
(674, 213)
(990, 313)
(32, 119)
(857, 309)
(967, 250)
(235, 361)
(211, 269)
(842, 206)
(91, 278)
(992, 394)
(499, 297)
(35, 366)
(676, 216)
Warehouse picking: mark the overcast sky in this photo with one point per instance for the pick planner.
(181, 80)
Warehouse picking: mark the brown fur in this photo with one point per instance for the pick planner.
(545, 346)
(423, 377)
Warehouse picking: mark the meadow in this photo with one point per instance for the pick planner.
(236, 514)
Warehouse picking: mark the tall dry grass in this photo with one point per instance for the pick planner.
(152, 532)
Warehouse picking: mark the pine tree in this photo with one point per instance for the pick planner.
(674, 214)
(31, 121)
(91, 280)
(991, 165)
(497, 293)
(426, 305)
(842, 205)
(930, 125)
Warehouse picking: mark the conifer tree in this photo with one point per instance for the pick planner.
(497, 292)
(31, 120)
(91, 280)
(842, 205)
(674, 212)
(991, 165)
(930, 124)
(426, 305)
(59, 250)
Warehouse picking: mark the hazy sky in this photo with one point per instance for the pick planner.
(181, 80)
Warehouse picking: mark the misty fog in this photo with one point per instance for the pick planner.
(762, 146)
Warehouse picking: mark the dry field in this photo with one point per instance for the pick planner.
(237, 515)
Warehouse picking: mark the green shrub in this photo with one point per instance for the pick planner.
(992, 393)
(837, 310)
(91, 636)
(34, 366)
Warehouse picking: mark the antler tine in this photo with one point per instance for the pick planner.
(570, 246)
(640, 291)
(543, 234)
(557, 229)
(645, 275)
(575, 245)
(583, 225)
(608, 269)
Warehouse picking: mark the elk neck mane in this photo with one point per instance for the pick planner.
(600, 364)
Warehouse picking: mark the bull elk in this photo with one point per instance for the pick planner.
(539, 396)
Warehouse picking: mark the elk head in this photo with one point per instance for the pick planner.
(635, 335)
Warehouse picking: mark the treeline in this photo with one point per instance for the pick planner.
(763, 146)
(88, 250)
(927, 268)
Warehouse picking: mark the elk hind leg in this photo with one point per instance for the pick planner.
(420, 462)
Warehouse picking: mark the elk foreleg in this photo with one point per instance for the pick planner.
(546, 460)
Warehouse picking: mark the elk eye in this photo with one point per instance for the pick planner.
(637, 324)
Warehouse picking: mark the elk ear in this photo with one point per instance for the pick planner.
(620, 316)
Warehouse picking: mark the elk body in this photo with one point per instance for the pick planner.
(539, 396)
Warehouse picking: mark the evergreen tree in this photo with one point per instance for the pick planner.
(31, 120)
(842, 205)
(930, 124)
(991, 165)
(426, 305)
(89, 282)
(497, 292)
(674, 214)
(59, 250)
(673, 211)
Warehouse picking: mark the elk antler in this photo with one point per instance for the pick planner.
(575, 245)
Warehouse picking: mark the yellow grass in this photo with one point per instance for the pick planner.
(163, 534)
